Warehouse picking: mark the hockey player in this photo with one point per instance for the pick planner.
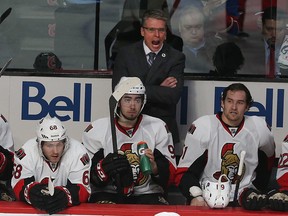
(116, 176)
(278, 198)
(51, 171)
(213, 146)
(6, 160)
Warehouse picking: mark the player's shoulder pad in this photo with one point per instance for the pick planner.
(98, 124)
(153, 120)
(76, 146)
(29, 148)
(202, 122)
(205, 120)
(258, 121)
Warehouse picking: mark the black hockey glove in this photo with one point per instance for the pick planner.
(60, 200)
(111, 165)
(6, 164)
(35, 194)
(124, 182)
(277, 200)
(252, 199)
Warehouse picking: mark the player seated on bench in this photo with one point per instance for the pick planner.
(117, 175)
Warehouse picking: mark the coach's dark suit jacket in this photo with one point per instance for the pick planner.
(131, 61)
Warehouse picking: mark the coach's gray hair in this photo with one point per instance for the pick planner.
(155, 14)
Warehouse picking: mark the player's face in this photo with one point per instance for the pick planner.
(130, 106)
(53, 150)
(154, 33)
(234, 106)
(191, 28)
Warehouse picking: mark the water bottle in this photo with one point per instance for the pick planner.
(145, 164)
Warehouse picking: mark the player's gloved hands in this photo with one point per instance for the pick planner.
(6, 164)
(111, 165)
(124, 182)
(60, 200)
(278, 200)
(252, 199)
(35, 194)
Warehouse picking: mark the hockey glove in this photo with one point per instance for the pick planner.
(6, 164)
(111, 165)
(278, 201)
(252, 199)
(124, 182)
(60, 200)
(35, 194)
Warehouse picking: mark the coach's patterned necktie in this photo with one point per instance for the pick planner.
(151, 57)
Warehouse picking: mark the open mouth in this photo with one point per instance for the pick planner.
(156, 42)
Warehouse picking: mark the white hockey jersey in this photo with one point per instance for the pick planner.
(149, 129)
(73, 166)
(282, 169)
(224, 146)
(6, 139)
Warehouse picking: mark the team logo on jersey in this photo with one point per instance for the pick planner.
(130, 132)
(20, 153)
(233, 130)
(192, 129)
(133, 159)
(229, 163)
(85, 159)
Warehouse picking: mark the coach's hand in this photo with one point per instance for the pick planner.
(277, 200)
(252, 199)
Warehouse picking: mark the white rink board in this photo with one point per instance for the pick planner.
(19, 92)
(202, 99)
(24, 129)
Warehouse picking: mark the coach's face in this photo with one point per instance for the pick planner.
(154, 33)
(234, 106)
